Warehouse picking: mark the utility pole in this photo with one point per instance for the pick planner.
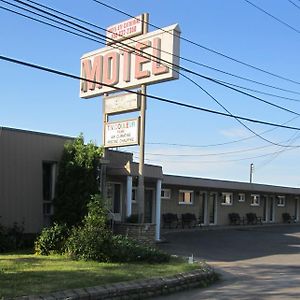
(141, 188)
(251, 172)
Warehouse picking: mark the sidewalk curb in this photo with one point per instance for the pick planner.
(138, 289)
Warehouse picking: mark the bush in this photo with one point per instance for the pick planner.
(93, 241)
(89, 244)
(11, 238)
(52, 240)
(124, 249)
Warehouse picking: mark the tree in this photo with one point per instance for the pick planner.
(77, 180)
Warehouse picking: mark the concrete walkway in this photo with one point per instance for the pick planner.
(255, 263)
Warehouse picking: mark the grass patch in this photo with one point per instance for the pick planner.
(29, 274)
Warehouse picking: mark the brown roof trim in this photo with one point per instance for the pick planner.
(227, 185)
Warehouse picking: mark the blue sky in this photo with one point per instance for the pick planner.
(38, 101)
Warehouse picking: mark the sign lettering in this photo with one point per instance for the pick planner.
(128, 68)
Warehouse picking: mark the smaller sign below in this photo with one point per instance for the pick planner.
(121, 103)
(124, 30)
(121, 133)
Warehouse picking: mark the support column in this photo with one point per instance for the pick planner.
(206, 212)
(157, 209)
(129, 197)
(298, 210)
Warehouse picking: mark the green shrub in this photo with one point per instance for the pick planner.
(124, 249)
(93, 241)
(11, 238)
(52, 239)
(88, 244)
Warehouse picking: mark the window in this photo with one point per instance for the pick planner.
(165, 193)
(48, 187)
(227, 199)
(242, 197)
(281, 201)
(186, 197)
(134, 195)
(47, 181)
(255, 200)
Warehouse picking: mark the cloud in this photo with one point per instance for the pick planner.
(235, 133)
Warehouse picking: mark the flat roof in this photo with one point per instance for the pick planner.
(35, 132)
(227, 185)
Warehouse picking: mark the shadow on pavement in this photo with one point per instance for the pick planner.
(234, 244)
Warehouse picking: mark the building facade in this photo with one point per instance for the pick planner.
(29, 165)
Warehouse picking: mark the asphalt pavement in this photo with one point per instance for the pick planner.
(255, 263)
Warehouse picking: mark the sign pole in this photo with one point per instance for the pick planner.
(141, 188)
(105, 155)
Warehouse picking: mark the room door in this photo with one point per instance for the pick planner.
(148, 206)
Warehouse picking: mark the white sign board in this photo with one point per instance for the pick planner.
(122, 133)
(124, 30)
(121, 103)
(116, 67)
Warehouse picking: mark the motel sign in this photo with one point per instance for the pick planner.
(146, 59)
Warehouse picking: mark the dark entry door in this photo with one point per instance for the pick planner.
(212, 204)
(148, 206)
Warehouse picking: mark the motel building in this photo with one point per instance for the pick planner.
(29, 164)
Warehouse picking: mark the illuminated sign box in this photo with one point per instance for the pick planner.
(121, 67)
(121, 133)
(124, 30)
(121, 103)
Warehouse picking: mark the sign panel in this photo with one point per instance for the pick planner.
(150, 59)
(121, 103)
(121, 133)
(124, 30)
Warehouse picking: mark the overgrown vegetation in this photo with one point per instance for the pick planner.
(52, 240)
(92, 240)
(77, 180)
(11, 238)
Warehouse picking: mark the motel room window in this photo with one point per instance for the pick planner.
(281, 201)
(165, 193)
(255, 200)
(242, 197)
(227, 199)
(186, 197)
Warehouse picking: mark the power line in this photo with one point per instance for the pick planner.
(294, 4)
(218, 144)
(208, 154)
(185, 76)
(181, 57)
(203, 47)
(273, 17)
(169, 101)
(216, 161)
(259, 92)
(152, 56)
(46, 23)
(239, 121)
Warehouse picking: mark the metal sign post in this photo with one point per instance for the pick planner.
(141, 187)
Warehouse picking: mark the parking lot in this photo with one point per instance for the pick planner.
(255, 263)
